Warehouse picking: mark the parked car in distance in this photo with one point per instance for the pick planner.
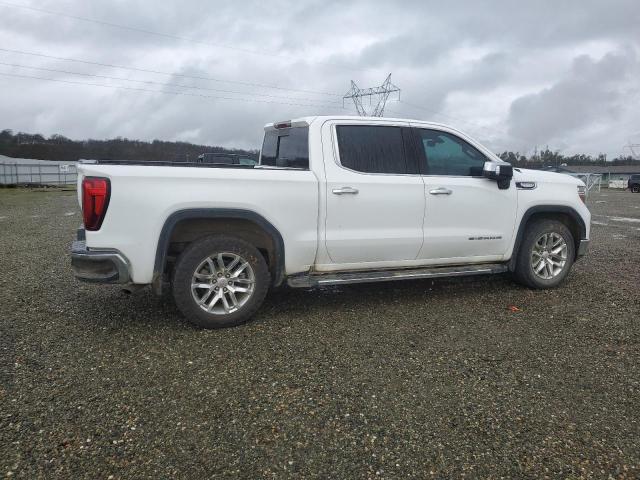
(634, 183)
(225, 159)
(333, 200)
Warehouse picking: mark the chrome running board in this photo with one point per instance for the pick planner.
(369, 276)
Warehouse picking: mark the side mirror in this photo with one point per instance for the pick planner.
(501, 172)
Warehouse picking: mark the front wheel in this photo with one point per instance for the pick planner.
(546, 254)
(220, 281)
(635, 188)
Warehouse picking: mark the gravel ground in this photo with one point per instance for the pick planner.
(410, 379)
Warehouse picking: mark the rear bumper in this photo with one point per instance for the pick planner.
(98, 266)
(582, 248)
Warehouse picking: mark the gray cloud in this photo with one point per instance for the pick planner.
(514, 74)
(591, 92)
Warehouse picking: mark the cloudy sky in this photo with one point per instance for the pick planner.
(515, 75)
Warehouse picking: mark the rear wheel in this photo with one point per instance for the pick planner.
(635, 188)
(546, 254)
(220, 281)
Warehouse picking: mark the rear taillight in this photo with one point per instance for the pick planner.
(95, 200)
(582, 193)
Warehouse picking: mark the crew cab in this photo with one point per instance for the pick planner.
(333, 200)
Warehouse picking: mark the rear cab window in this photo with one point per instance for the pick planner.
(286, 148)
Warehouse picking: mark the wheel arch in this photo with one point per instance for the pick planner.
(567, 215)
(185, 226)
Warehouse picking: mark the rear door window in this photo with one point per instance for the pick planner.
(372, 149)
(287, 148)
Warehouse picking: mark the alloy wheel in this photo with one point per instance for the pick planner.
(549, 255)
(222, 283)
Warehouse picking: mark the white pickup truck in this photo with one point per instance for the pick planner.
(332, 200)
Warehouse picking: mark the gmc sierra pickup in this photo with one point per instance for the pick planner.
(332, 200)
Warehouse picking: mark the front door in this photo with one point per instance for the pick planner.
(374, 206)
(467, 217)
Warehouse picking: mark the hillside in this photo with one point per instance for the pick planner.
(58, 147)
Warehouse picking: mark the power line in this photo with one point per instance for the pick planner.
(249, 100)
(504, 133)
(139, 30)
(150, 82)
(159, 34)
(435, 112)
(474, 125)
(170, 74)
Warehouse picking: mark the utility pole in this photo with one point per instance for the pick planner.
(381, 93)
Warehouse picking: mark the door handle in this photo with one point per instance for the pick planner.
(440, 191)
(345, 190)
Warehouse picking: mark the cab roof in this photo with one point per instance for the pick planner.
(306, 121)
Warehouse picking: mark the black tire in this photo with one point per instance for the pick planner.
(193, 256)
(635, 188)
(524, 271)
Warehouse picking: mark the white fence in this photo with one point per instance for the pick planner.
(618, 183)
(592, 181)
(37, 174)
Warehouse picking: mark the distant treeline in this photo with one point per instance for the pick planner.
(546, 157)
(57, 147)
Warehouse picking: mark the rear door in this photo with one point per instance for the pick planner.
(467, 217)
(374, 195)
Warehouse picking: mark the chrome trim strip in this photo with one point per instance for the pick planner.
(403, 277)
(531, 186)
(307, 281)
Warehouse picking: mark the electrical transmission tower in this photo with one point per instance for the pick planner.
(634, 148)
(381, 94)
